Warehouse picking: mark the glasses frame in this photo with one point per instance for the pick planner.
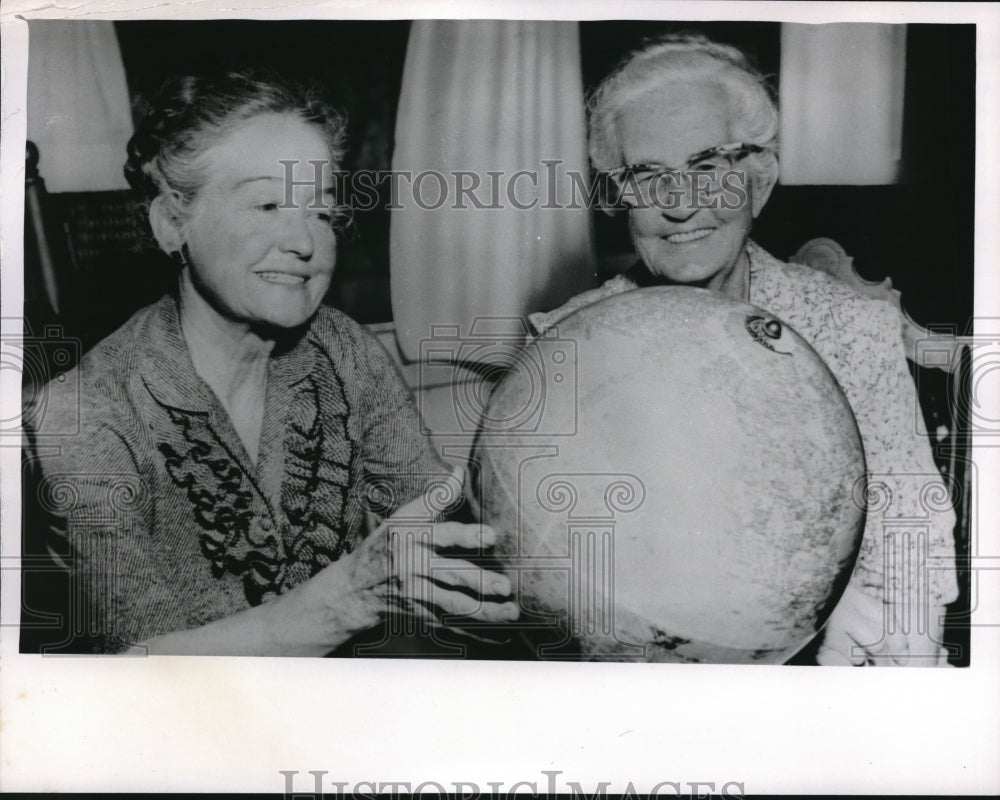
(737, 150)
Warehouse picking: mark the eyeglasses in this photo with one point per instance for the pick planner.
(704, 176)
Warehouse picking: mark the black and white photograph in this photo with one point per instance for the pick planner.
(650, 356)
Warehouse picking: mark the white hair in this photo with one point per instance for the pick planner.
(683, 59)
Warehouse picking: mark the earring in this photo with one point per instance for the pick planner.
(181, 257)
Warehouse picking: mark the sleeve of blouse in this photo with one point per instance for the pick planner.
(90, 508)
(398, 454)
(908, 550)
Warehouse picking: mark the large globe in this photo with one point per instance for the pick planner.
(673, 476)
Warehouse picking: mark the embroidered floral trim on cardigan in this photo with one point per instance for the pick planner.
(229, 507)
(318, 453)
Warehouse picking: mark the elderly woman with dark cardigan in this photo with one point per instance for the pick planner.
(236, 436)
(686, 132)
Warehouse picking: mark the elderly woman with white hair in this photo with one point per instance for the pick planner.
(685, 130)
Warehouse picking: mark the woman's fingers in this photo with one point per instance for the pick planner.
(829, 656)
(450, 601)
(877, 632)
(420, 554)
(457, 573)
(451, 575)
(863, 629)
(407, 557)
(888, 650)
(467, 537)
(838, 649)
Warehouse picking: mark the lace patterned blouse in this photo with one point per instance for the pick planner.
(908, 542)
(150, 495)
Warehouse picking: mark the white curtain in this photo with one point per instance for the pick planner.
(841, 89)
(78, 104)
(484, 97)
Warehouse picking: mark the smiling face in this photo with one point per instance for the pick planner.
(255, 258)
(687, 243)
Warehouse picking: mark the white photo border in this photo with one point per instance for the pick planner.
(233, 725)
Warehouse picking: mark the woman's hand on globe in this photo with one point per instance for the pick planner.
(409, 565)
(865, 631)
(858, 633)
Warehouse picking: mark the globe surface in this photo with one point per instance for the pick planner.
(673, 476)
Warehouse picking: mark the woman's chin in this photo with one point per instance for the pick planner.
(281, 317)
(286, 320)
(698, 275)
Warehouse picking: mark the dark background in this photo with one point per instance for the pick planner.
(918, 232)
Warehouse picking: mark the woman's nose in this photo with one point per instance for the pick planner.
(679, 212)
(676, 203)
(295, 235)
